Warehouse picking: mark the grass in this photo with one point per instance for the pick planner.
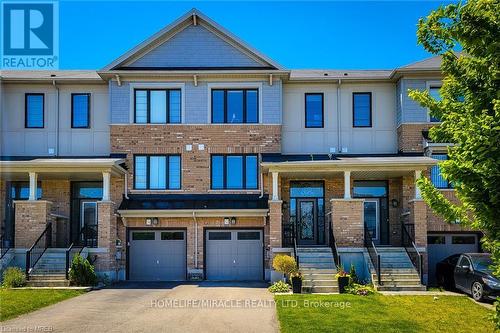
(14, 303)
(378, 313)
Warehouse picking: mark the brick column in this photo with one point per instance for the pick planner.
(275, 217)
(348, 222)
(106, 221)
(418, 216)
(31, 218)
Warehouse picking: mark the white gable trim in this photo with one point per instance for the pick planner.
(180, 24)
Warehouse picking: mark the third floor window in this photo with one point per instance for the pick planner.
(235, 106)
(157, 106)
(314, 110)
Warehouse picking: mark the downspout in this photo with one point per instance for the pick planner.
(261, 178)
(339, 118)
(126, 186)
(57, 117)
(195, 240)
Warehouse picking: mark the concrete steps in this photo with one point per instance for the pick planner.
(397, 271)
(318, 270)
(50, 270)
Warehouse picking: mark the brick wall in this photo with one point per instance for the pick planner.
(32, 218)
(348, 222)
(410, 138)
(172, 139)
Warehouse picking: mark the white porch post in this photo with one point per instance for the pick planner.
(106, 183)
(347, 184)
(275, 186)
(418, 195)
(33, 185)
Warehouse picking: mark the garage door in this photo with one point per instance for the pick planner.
(441, 246)
(157, 255)
(234, 255)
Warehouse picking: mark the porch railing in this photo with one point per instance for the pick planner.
(38, 248)
(331, 241)
(88, 236)
(373, 253)
(411, 249)
(4, 247)
(294, 236)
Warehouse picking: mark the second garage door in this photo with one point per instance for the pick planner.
(233, 255)
(157, 255)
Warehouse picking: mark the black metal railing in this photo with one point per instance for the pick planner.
(88, 235)
(411, 249)
(38, 248)
(331, 241)
(70, 254)
(4, 246)
(288, 232)
(294, 236)
(373, 253)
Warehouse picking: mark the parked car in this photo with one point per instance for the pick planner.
(473, 275)
(445, 269)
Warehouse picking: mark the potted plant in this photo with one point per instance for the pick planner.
(296, 278)
(343, 278)
(284, 264)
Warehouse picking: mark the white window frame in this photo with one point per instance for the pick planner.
(157, 85)
(428, 85)
(232, 85)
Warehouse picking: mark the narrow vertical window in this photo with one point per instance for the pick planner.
(251, 172)
(235, 106)
(217, 172)
(140, 172)
(174, 172)
(174, 101)
(436, 177)
(34, 111)
(234, 172)
(80, 110)
(252, 106)
(434, 92)
(362, 109)
(314, 110)
(158, 106)
(157, 172)
(141, 106)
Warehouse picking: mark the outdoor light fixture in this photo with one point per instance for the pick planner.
(395, 203)
(226, 221)
(233, 220)
(148, 221)
(155, 220)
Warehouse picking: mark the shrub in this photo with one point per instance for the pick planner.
(279, 287)
(360, 289)
(284, 264)
(82, 272)
(341, 272)
(352, 274)
(14, 277)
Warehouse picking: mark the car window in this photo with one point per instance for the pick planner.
(482, 264)
(453, 260)
(464, 262)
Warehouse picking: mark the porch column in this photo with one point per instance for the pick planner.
(348, 222)
(33, 185)
(275, 186)
(106, 183)
(31, 219)
(347, 184)
(275, 218)
(418, 195)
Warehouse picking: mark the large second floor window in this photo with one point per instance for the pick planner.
(80, 110)
(34, 109)
(436, 177)
(235, 106)
(314, 110)
(157, 106)
(434, 92)
(157, 172)
(234, 172)
(362, 109)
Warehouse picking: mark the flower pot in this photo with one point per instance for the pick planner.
(297, 285)
(343, 283)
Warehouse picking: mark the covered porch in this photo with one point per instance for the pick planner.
(318, 199)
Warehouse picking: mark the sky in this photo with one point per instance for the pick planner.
(295, 34)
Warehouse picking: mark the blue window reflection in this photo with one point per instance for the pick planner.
(217, 172)
(251, 172)
(157, 172)
(34, 110)
(175, 107)
(314, 110)
(364, 189)
(362, 116)
(174, 175)
(140, 172)
(436, 176)
(434, 92)
(80, 110)
(234, 172)
(235, 106)
(218, 106)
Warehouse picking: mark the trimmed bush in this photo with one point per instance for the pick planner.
(82, 272)
(279, 287)
(14, 277)
(284, 264)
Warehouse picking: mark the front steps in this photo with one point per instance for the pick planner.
(50, 270)
(318, 270)
(397, 271)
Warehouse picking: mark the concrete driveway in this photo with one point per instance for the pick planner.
(158, 307)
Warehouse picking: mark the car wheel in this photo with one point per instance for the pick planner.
(477, 291)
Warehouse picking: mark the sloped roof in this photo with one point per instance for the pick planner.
(44, 75)
(432, 63)
(329, 74)
(191, 17)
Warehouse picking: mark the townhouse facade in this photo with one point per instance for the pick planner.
(194, 156)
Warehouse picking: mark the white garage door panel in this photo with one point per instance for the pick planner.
(157, 255)
(234, 255)
(438, 252)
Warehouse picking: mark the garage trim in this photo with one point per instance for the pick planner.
(205, 229)
(127, 254)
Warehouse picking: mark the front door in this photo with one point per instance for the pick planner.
(306, 222)
(372, 221)
(88, 223)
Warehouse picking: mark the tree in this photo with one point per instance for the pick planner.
(470, 113)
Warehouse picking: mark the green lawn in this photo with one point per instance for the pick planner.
(377, 313)
(16, 302)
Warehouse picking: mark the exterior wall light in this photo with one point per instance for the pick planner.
(394, 203)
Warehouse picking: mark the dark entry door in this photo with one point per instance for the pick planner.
(306, 222)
